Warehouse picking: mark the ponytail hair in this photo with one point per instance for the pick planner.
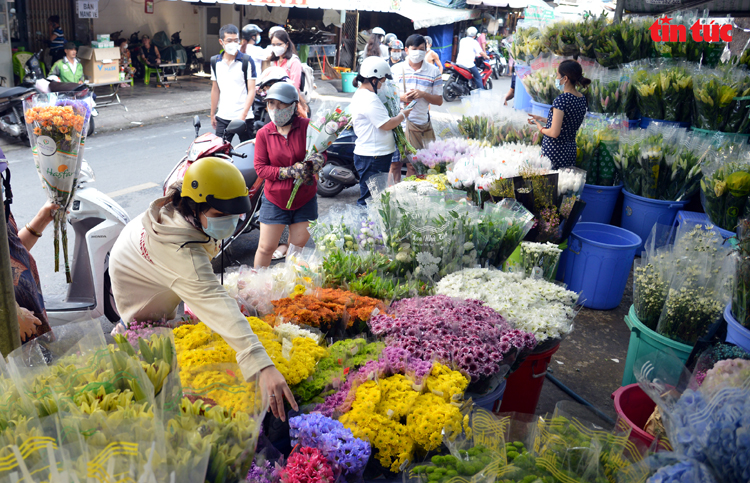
(574, 72)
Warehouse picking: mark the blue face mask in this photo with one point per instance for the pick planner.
(559, 85)
(221, 227)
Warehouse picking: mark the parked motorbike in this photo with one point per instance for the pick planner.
(97, 221)
(339, 172)
(208, 144)
(11, 110)
(134, 46)
(33, 70)
(194, 55)
(461, 81)
(498, 63)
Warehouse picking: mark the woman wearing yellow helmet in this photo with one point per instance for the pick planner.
(164, 257)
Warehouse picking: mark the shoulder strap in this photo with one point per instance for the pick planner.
(214, 59)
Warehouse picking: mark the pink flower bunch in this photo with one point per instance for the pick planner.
(393, 360)
(308, 465)
(465, 333)
(445, 152)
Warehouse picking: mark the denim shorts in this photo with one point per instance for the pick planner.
(270, 214)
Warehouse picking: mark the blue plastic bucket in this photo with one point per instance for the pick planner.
(490, 402)
(634, 124)
(597, 263)
(737, 334)
(645, 121)
(600, 203)
(640, 214)
(347, 79)
(539, 109)
(521, 98)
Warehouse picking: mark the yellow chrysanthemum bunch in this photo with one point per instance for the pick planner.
(227, 388)
(446, 383)
(395, 416)
(198, 346)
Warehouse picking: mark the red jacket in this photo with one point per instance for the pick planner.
(274, 151)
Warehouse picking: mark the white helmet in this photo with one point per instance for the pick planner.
(374, 66)
(378, 31)
(272, 74)
(276, 28)
(471, 31)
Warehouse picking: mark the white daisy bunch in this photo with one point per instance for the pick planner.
(570, 181)
(419, 187)
(544, 256)
(291, 331)
(532, 305)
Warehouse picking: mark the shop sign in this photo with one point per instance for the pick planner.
(88, 8)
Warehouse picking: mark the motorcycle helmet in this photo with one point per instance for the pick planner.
(249, 31)
(378, 31)
(272, 75)
(396, 44)
(218, 183)
(283, 92)
(471, 31)
(375, 67)
(389, 38)
(273, 29)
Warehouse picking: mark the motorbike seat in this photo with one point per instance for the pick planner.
(6, 92)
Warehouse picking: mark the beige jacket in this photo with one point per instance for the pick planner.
(153, 269)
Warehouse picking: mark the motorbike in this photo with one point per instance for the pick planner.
(11, 110)
(210, 145)
(461, 81)
(33, 70)
(194, 55)
(498, 63)
(97, 221)
(339, 172)
(115, 36)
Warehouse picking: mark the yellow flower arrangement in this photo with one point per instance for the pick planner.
(446, 383)
(396, 417)
(198, 346)
(226, 387)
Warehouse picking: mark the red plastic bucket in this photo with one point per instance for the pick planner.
(634, 407)
(525, 384)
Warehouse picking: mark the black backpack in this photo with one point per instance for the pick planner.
(245, 61)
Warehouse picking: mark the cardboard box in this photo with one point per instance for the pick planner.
(100, 65)
(101, 37)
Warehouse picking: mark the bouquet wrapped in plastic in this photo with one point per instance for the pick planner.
(725, 184)
(741, 287)
(57, 125)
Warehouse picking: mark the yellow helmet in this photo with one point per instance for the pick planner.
(218, 183)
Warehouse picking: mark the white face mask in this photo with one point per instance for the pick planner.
(416, 56)
(278, 50)
(231, 48)
(124, 46)
(257, 39)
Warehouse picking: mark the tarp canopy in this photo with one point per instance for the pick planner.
(715, 7)
(500, 3)
(538, 12)
(421, 12)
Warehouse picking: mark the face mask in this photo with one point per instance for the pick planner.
(282, 117)
(221, 227)
(416, 56)
(279, 50)
(124, 46)
(559, 85)
(396, 55)
(231, 48)
(257, 39)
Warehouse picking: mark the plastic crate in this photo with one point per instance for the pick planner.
(698, 219)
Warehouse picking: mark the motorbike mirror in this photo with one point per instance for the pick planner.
(237, 126)
(197, 122)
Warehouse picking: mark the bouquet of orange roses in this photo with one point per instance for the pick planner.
(56, 124)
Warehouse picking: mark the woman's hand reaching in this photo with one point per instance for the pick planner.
(274, 387)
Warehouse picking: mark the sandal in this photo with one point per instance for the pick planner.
(280, 253)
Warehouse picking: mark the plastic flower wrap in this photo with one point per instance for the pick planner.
(725, 185)
(530, 305)
(473, 337)
(741, 287)
(56, 125)
(345, 227)
(393, 106)
(709, 423)
(254, 289)
(347, 454)
(439, 154)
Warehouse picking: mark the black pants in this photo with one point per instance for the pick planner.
(222, 124)
(56, 55)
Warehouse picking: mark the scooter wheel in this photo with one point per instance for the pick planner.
(449, 93)
(90, 130)
(328, 188)
(488, 84)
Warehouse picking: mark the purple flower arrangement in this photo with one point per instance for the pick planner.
(465, 333)
(392, 360)
(345, 452)
(144, 330)
(439, 154)
(263, 473)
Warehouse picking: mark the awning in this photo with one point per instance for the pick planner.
(500, 3)
(421, 12)
(716, 8)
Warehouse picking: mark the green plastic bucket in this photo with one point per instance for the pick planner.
(346, 81)
(643, 341)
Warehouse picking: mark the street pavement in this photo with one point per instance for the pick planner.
(132, 152)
